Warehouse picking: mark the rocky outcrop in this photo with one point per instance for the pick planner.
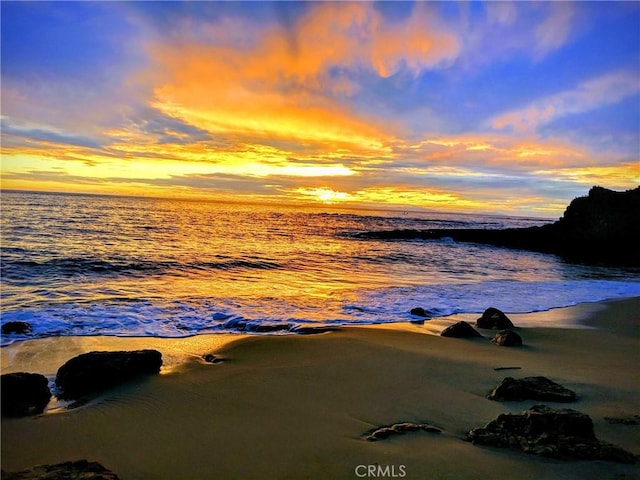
(494, 319)
(95, 372)
(310, 330)
(381, 433)
(565, 433)
(531, 388)
(603, 227)
(419, 312)
(460, 330)
(507, 338)
(624, 420)
(16, 327)
(24, 394)
(78, 470)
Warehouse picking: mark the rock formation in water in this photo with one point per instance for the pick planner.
(603, 227)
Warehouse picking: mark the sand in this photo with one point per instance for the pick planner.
(297, 407)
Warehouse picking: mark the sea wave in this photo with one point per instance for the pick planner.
(19, 270)
(197, 315)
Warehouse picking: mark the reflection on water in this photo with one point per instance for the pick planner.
(88, 264)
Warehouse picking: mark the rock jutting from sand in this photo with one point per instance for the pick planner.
(304, 330)
(95, 372)
(540, 430)
(531, 388)
(16, 327)
(494, 319)
(460, 330)
(624, 420)
(24, 394)
(419, 312)
(381, 433)
(507, 338)
(80, 470)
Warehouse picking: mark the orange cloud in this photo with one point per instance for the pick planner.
(283, 86)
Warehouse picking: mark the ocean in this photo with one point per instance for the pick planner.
(125, 266)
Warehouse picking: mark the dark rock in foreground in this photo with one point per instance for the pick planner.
(78, 470)
(24, 394)
(460, 330)
(564, 433)
(508, 338)
(531, 388)
(16, 327)
(492, 318)
(399, 429)
(300, 330)
(95, 372)
(603, 227)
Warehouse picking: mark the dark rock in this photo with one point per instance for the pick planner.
(507, 338)
(399, 429)
(78, 470)
(460, 330)
(267, 327)
(23, 394)
(603, 227)
(313, 330)
(16, 327)
(626, 420)
(531, 388)
(209, 358)
(541, 430)
(95, 372)
(495, 319)
(419, 312)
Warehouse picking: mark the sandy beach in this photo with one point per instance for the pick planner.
(298, 407)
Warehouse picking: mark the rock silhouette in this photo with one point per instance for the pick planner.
(603, 227)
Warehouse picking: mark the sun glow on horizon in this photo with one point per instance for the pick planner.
(415, 105)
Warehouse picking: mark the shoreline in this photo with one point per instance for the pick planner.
(297, 406)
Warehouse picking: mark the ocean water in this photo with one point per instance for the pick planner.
(105, 265)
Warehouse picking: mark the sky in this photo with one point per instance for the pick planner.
(492, 107)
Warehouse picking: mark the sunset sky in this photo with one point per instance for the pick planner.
(492, 107)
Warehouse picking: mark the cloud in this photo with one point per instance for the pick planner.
(553, 31)
(293, 82)
(587, 96)
(21, 133)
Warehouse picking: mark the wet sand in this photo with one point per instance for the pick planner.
(297, 407)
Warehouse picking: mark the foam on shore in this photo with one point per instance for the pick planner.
(298, 406)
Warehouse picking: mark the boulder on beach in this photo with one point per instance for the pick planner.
(460, 330)
(381, 433)
(494, 319)
(78, 470)
(507, 338)
(313, 330)
(540, 430)
(16, 327)
(95, 372)
(531, 388)
(23, 394)
(419, 312)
